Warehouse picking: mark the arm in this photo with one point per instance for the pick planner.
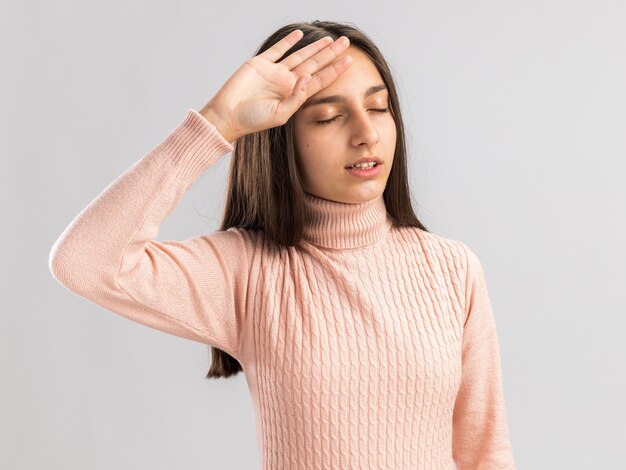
(194, 288)
(480, 429)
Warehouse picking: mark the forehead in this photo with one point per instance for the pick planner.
(361, 75)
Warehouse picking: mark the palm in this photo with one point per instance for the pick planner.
(264, 85)
(263, 93)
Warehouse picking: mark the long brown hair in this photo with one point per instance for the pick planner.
(264, 190)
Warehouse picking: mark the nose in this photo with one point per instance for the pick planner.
(363, 130)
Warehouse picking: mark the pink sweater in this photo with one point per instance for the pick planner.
(365, 347)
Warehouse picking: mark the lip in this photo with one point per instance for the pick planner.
(369, 158)
(367, 173)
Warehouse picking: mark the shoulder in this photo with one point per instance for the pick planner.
(237, 235)
(235, 244)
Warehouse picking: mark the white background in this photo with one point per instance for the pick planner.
(515, 116)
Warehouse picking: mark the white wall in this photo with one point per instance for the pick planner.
(516, 124)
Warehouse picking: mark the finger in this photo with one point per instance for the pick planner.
(277, 50)
(322, 58)
(290, 105)
(328, 74)
(303, 54)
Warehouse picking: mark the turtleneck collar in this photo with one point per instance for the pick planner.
(333, 224)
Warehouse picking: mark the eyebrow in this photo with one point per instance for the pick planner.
(340, 99)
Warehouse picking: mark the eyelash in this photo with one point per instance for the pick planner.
(328, 121)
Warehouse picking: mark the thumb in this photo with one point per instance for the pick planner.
(299, 95)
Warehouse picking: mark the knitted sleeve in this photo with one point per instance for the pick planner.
(194, 288)
(480, 429)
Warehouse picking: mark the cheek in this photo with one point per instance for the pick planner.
(304, 141)
(391, 136)
(313, 152)
(391, 129)
(391, 146)
(307, 155)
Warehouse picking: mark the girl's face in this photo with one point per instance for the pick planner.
(361, 126)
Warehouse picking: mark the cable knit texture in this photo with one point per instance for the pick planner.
(367, 346)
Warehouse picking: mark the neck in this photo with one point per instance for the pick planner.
(333, 224)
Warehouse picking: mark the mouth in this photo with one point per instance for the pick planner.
(369, 171)
(363, 166)
(368, 161)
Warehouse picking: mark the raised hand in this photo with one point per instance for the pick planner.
(262, 93)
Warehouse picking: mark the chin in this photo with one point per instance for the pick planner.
(356, 195)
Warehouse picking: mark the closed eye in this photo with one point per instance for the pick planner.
(328, 121)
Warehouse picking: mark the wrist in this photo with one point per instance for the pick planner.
(211, 115)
